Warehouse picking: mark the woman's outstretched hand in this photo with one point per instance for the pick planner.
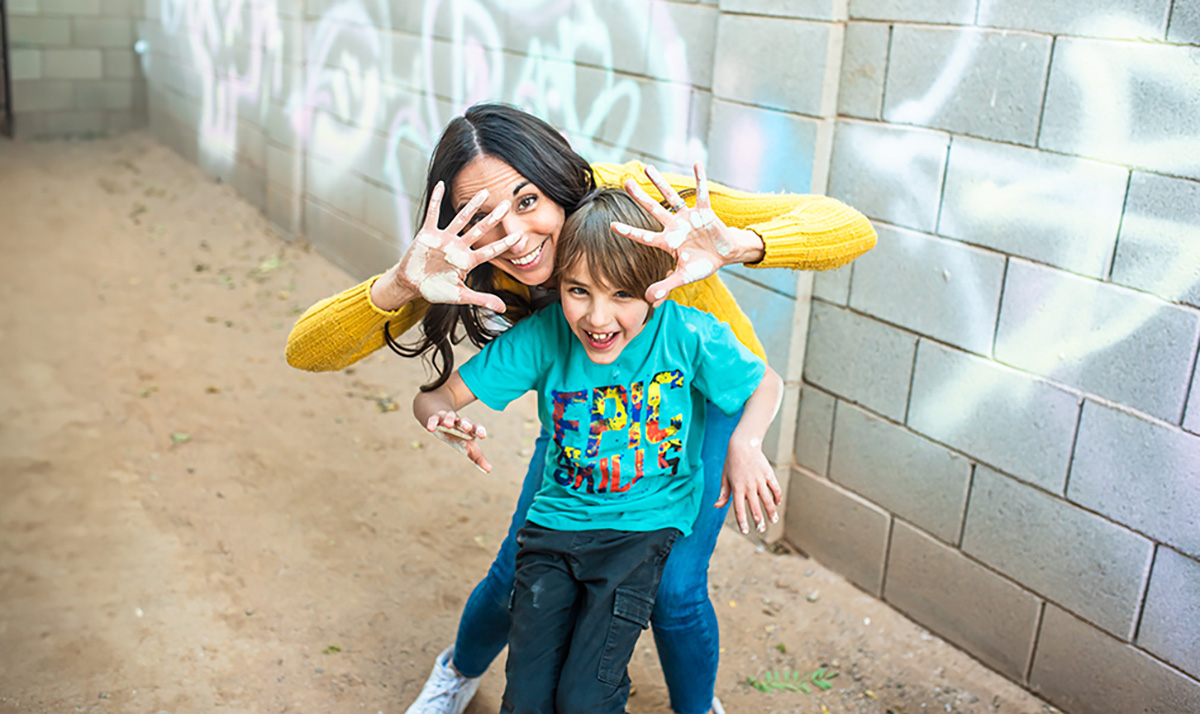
(435, 266)
(699, 240)
(461, 434)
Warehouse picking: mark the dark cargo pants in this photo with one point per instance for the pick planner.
(580, 601)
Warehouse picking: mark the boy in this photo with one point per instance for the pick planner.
(621, 389)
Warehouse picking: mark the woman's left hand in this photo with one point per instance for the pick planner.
(696, 236)
(750, 481)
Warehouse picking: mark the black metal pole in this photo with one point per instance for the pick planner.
(6, 60)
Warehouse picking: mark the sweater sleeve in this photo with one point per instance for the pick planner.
(340, 330)
(806, 232)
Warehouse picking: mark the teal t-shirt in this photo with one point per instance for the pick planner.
(626, 437)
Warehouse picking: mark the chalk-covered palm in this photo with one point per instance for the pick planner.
(436, 264)
(695, 235)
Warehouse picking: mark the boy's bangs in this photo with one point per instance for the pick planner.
(614, 260)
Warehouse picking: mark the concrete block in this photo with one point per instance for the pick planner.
(1111, 341)
(58, 124)
(772, 62)
(121, 64)
(1077, 559)
(1144, 113)
(352, 246)
(1191, 417)
(760, 149)
(814, 429)
(773, 316)
(70, 7)
(1159, 247)
(781, 280)
(890, 173)
(933, 286)
(833, 285)
(33, 32)
(987, 615)
(20, 8)
(864, 68)
(121, 8)
(1081, 669)
(104, 94)
(859, 359)
(800, 9)
(658, 127)
(604, 33)
(997, 80)
(384, 210)
(1054, 209)
(839, 529)
(285, 168)
(1185, 23)
(250, 183)
(42, 95)
(951, 12)
(25, 64)
(1170, 625)
(283, 211)
(331, 184)
(1022, 426)
(681, 49)
(583, 102)
(1139, 473)
(1126, 19)
(906, 474)
(119, 122)
(104, 32)
(72, 64)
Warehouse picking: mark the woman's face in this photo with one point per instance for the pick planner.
(532, 213)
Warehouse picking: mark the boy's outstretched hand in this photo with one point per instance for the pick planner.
(461, 434)
(749, 479)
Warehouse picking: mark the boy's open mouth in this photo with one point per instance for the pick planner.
(601, 340)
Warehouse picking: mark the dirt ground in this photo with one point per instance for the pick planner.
(187, 524)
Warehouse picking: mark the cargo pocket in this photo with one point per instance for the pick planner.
(631, 615)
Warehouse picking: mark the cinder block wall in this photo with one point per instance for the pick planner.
(998, 425)
(74, 69)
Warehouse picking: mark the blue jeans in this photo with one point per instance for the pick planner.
(684, 622)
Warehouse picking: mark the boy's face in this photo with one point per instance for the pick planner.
(605, 319)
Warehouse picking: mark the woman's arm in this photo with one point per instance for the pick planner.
(437, 411)
(338, 331)
(748, 476)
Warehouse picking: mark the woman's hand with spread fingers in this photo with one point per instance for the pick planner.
(435, 266)
(695, 235)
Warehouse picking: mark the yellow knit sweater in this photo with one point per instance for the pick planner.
(798, 231)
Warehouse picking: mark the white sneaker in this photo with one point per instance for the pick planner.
(717, 708)
(446, 691)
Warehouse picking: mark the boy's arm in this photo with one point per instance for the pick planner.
(437, 411)
(748, 476)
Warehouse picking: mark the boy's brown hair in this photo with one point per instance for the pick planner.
(613, 259)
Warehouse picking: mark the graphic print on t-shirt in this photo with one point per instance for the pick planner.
(623, 434)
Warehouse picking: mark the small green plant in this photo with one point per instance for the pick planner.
(792, 681)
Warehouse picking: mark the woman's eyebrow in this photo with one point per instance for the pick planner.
(520, 186)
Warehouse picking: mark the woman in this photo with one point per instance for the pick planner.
(499, 187)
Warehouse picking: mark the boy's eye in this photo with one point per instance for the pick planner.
(577, 291)
(622, 295)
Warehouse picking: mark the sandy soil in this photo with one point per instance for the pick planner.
(189, 525)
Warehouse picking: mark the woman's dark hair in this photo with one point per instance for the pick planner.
(536, 151)
(621, 263)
